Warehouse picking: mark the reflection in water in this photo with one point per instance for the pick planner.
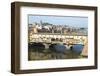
(42, 51)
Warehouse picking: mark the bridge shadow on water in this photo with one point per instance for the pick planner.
(43, 51)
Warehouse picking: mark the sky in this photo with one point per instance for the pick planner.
(60, 20)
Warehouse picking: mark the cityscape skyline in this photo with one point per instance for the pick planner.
(60, 20)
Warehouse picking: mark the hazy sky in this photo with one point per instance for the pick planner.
(63, 20)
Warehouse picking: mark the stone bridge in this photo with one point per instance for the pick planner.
(57, 38)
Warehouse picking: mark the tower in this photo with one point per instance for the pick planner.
(41, 23)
